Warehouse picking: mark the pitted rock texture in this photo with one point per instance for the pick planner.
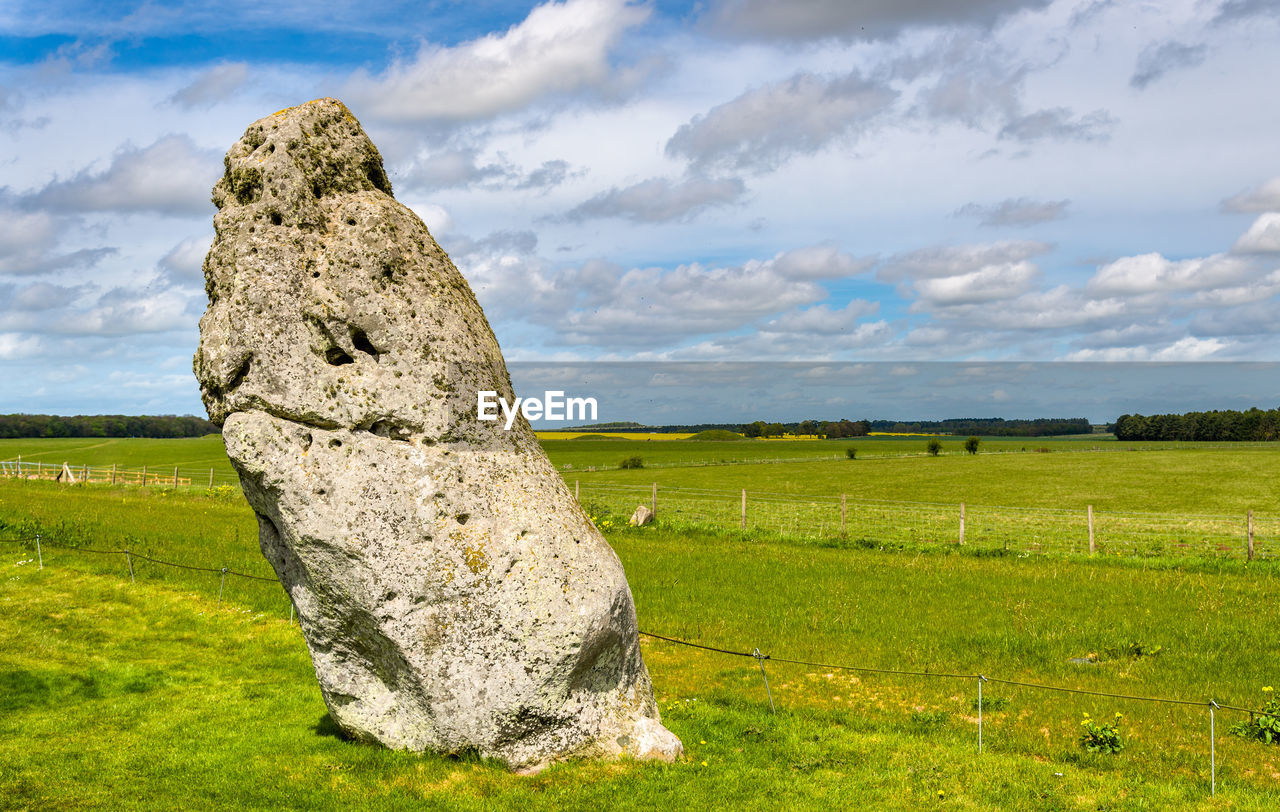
(453, 595)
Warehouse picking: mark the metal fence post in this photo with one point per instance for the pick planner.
(981, 679)
(210, 477)
(962, 522)
(760, 658)
(39, 555)
(844, 512)
(1213, 755)
(743, 524)
(1250, 534)
(222, 583)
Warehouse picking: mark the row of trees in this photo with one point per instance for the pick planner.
(1225, 425)
(104, 425)
(989, 427)
(807, 428)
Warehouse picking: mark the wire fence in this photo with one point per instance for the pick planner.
(885, 524)
(38, 543)
(185, 477)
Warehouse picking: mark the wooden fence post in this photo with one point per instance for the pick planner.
(962, 522)
(844, 512)
(144, 475)
(653, 503)
(744, 509)
(210, 477)
(113, 473)
(1251, 535)
(1092, 547)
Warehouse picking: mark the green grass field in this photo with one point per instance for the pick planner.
(204, 705)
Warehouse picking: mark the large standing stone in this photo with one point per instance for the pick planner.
(453, 595)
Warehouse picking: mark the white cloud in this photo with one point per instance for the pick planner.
(765, 126)
(822, 319)
(659, 200)
(1184, 349)
(1153, 273)
(171, 176)
(1057, 123)
(16, 347)
(185, 261)
(1161, 58)
(1263, 237)
(1265, 197)
(214, 85)
(1015, 212)
(559, 49)
(957, 260)
(866, 19)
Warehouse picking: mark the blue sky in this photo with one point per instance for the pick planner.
(728, 180)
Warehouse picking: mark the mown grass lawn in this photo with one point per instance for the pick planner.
(155, 696)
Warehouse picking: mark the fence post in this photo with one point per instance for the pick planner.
(175, 477)
(1250, 534)
(113, 473)
(760, 658)
(653, 504)
(39, 554)
(962, 522)
(222, 583)
(1213, 755)
(844, 512)
(743, 524)
(129, 560)
(577, 496)
(1092, 548)
(210, 477)
(144, 475)
(981, 679)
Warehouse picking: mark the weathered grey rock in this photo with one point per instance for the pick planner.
(642, 516)
(453, 595)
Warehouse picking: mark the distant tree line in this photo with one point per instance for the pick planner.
(1225, 425)
(104, 425)
(989, 426)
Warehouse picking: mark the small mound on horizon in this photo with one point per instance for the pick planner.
(597, 437)
(717, 434)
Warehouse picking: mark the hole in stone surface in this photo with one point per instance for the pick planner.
(336, 356)
(463, 517)
(305, 441)
(276, 218)
(271, 147)
(315, 274)
(389, 430)
(351, 221)
(317, 190)
(335, 443)
(239, 375)
(360, 340)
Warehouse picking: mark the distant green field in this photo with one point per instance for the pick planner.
(207, 706)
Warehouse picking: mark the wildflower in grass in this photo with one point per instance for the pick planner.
(1265, 726)
(1101, 738)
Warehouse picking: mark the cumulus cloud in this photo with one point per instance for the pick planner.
(171, 176)
(17, 347)
(1265, 197)
(1235, 10)
(956, 260)
(1160, 58)
(1153, 273)
(1188, 348)
(214, 85)
(822, 319)
(560, 48)
(1015, 212)
(1263, 237)
(800, 20)
(605, 305)
(29, 241)
(660, 200)
(1058, 123)
(765, 126)
(449, 169)
(547, 176)
(185, 261)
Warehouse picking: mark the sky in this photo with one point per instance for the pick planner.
(818, 181)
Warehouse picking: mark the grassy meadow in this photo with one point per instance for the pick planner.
(204, 704)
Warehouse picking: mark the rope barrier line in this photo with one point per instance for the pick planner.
(135, 554)
(947, 675)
